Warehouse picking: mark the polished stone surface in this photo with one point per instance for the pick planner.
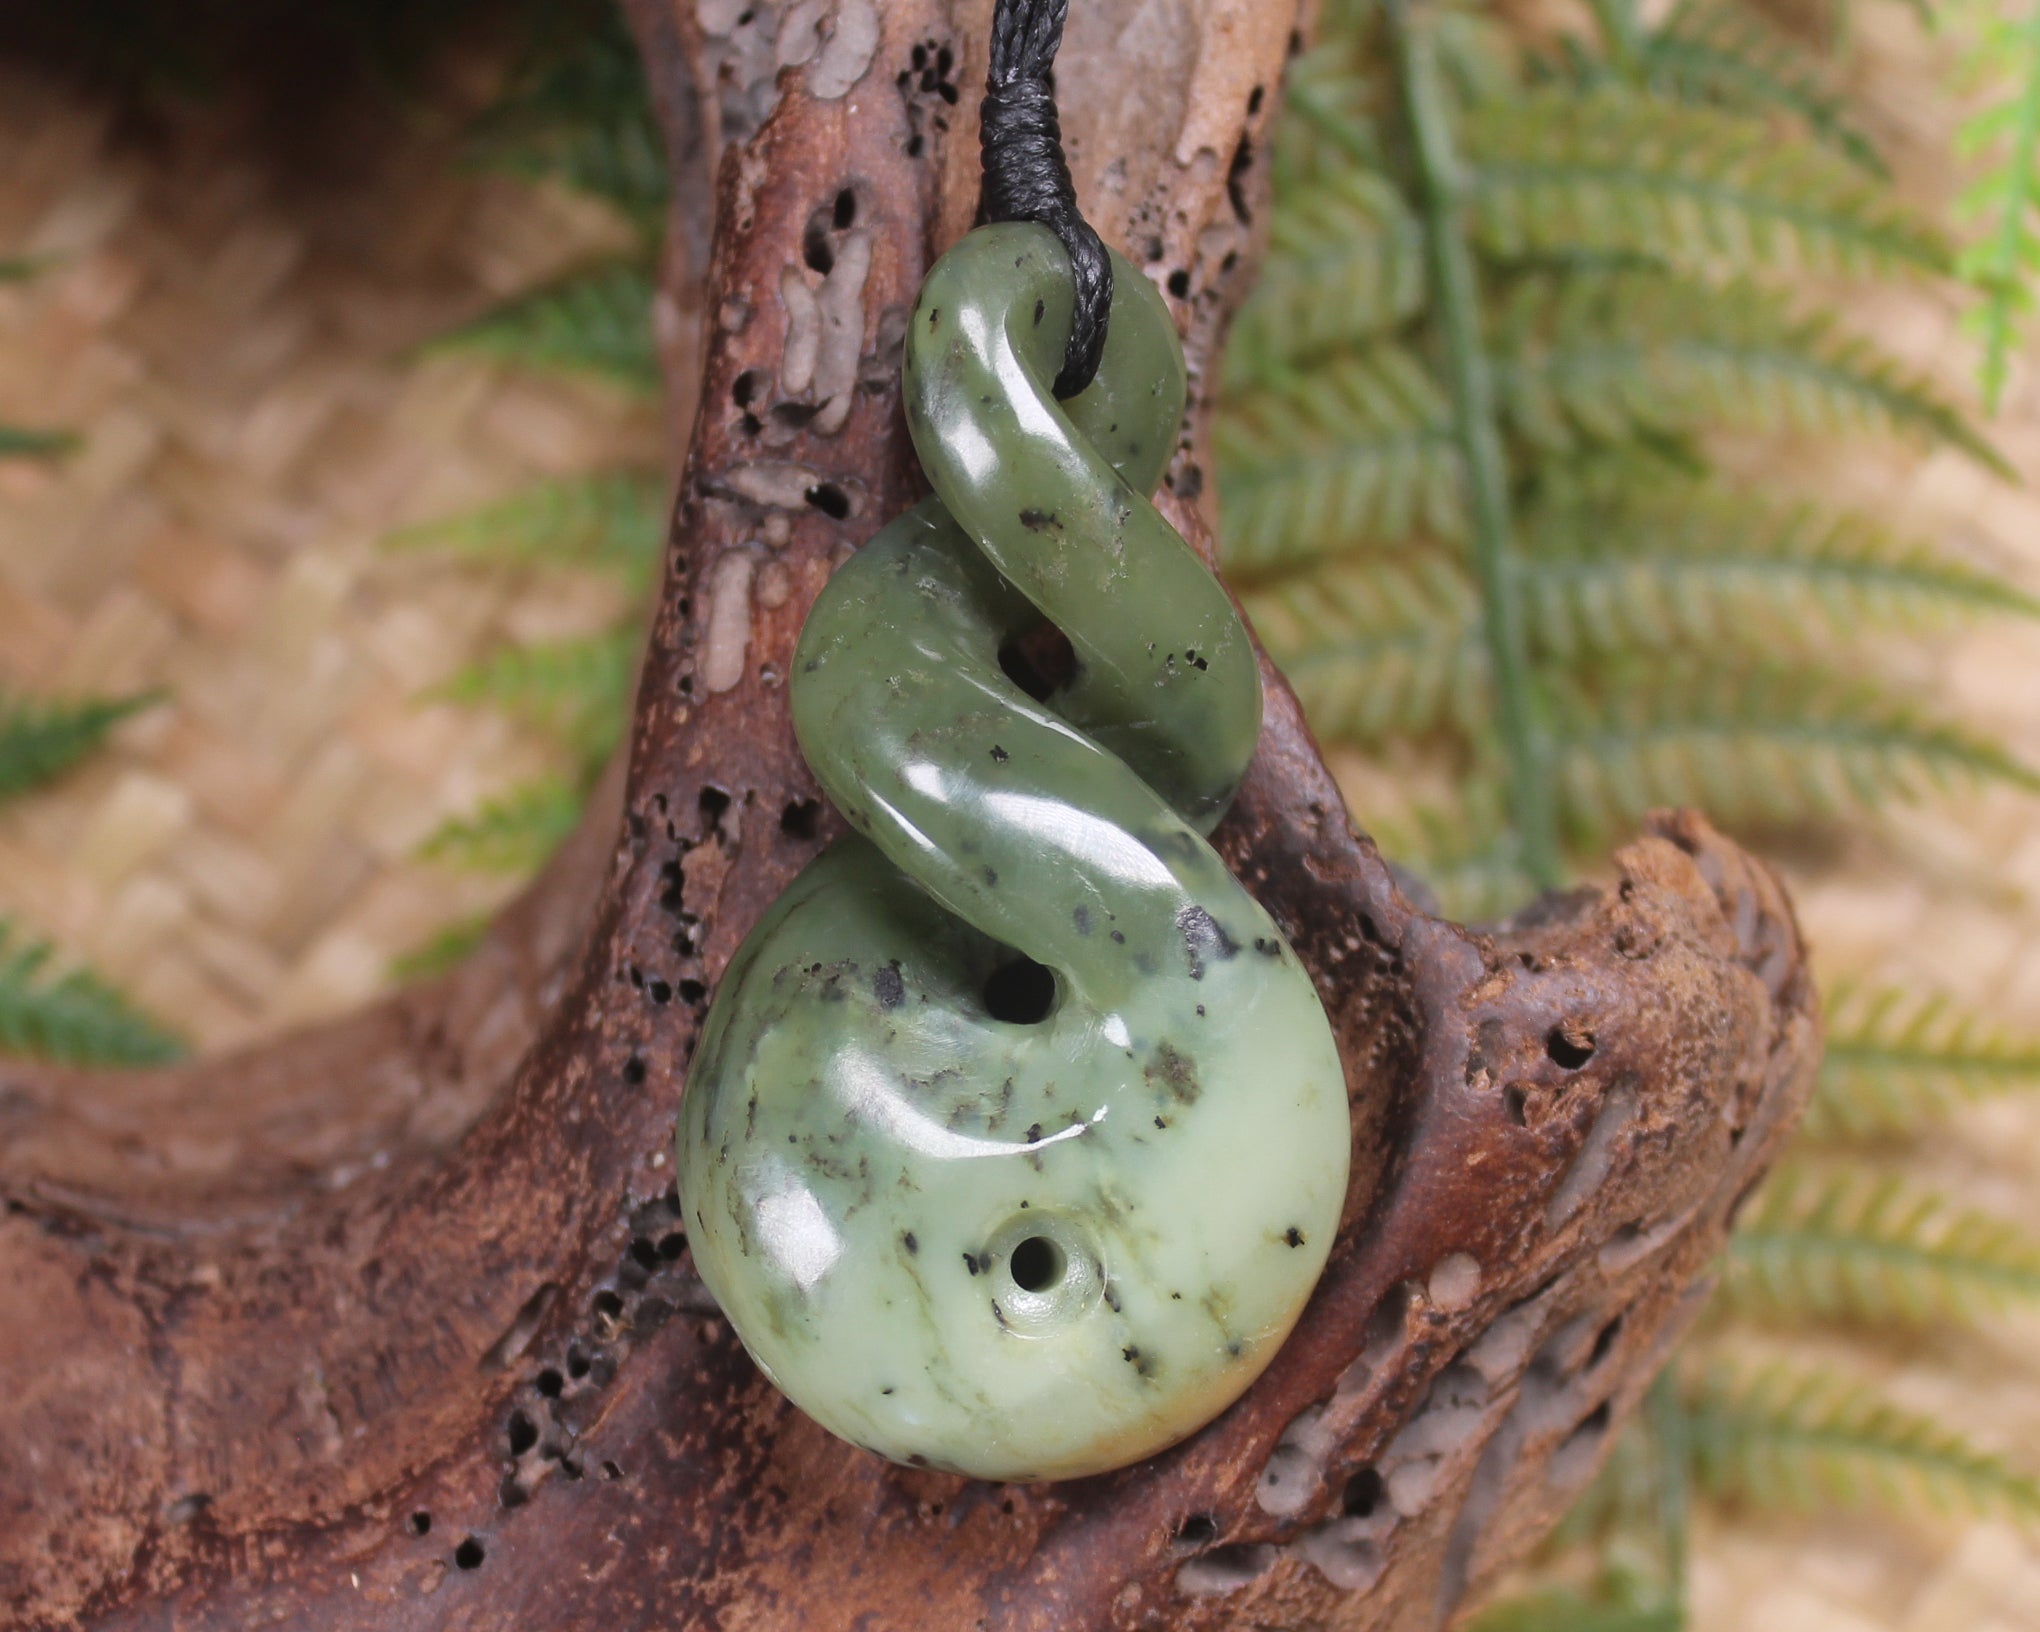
(1017, 1137)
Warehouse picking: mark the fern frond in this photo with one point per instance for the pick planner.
(1733, 56)
(1345, 262)
(1694, 565)
(1780, 1437)
(1896, 1058)
(611, 520)
(1601, 356)
(2006, 261)
(1857, 1243)
(73, 1018)
(447, 950)
(597, 322)
(579, 690)
(513, 833)
(1561, 1609)
(1384, 650)
(1558, 173)
(582, 117)
(1359, 454)
(1766, 745)
(18, 442)
(1463, 852)
(41, 739)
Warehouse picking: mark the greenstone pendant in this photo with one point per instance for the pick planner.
(1017, 1138)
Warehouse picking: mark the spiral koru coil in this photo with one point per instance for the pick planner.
(1017, 1137)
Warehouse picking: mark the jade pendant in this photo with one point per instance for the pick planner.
(1016, 1139)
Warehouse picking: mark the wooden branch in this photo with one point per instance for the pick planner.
(337, 1335)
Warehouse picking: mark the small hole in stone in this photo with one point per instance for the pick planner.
(469, 1554)
(1569, 1047)
(1020, 993)
(523, 1433)
(1040, 661)
(846, 210)
(814, 245)
(421, 1523)
(830, 499)
(1197, 1530)
(550, 1383)
(1362, 1494)
(1038, 1263)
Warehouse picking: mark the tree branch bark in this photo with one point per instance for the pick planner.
(392, 1324)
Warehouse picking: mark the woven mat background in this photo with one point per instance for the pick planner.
(238, 345)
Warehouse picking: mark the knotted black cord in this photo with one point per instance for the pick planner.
(1026, 177)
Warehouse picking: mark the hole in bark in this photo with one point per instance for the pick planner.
(1604, 1342)
(1020, 993)
(712, 803)
(550, 1384)
(1225, 1569)
(510, 1493)
(421, 1523)
(692, 992)
(1039, 661)
(747, 386)
(1569, 1046)
(845, 216)
(469, 1554)
(577, 1364)
(634, 1071)
(607, 1305)
(830, 499)
(523, 1433)
(611, 1471)
(644, 1253)
(1179, 284)
(1593, 1425)
(800, 818)
(1038, 1263)
(1514, 1099)
(1362, 1494)
(672, 1246)
(1197, 1530)
(814, 244)
(520, 1330)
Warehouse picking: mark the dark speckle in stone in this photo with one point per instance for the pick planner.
(1267, 946)
(1293, 1236)
(1203, 934)
(999, 755)
(909, 1242)
(1118, 939)
(1038, 521)
(1081, 917)
(991, 877)
(1172, 1072)
(1034, 1133)
(934, 317)
(1161, 1121)
(888, 987)
(971, 1263)
(1040, 311)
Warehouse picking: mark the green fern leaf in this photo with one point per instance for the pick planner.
(2005, 262)
(1780, 1437)
(1345, 262)
(1751, 745)
(1561, 1609)
(610, 520)
(1602, 357)
(580, 115)
(1729, 55)
(40, 740)
(1377, 651)
(1867, 1245)
(1556, 172)
(447, 950)
(73, 1018)
(512, 834)
(579, 690)
(1896, 1058)
(1692, 565)
(597, 322)
(1359, 454)
(16, 442)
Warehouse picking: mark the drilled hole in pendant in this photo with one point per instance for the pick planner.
(1038, 1264)
(1020, 993)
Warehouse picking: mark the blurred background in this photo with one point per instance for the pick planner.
(334, 458)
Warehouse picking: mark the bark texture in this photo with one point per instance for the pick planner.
(392, 1324)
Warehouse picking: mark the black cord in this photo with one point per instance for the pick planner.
(1026, 177)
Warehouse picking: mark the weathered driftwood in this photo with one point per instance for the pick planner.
(392, 1324)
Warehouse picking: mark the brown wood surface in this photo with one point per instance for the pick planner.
(411, 1340)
